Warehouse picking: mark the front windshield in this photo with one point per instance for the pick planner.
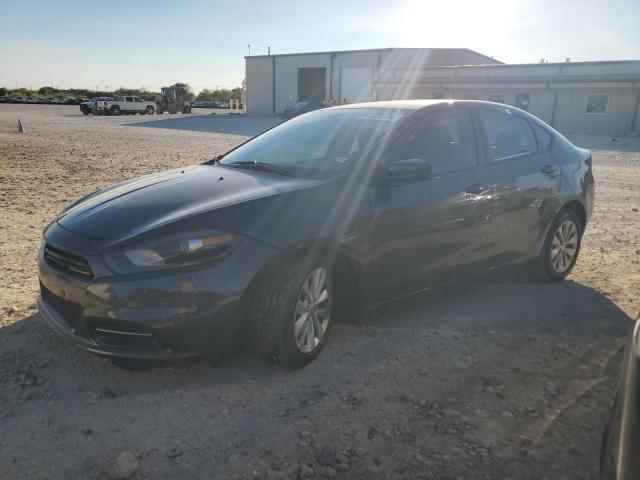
(320, 144)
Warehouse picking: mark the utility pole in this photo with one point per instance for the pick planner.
(249, 46)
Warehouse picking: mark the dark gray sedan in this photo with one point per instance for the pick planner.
(346, 207)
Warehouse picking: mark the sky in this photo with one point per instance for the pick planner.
(151, 43)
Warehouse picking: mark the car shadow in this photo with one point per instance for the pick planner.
(506, 301)
(230, 124)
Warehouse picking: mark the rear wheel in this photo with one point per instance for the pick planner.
(114, 110)
(292, 314)
(561, 247)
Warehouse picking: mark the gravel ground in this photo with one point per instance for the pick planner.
(496, 377)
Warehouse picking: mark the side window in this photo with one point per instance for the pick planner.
(543, 136)
(139, 100)
(507, 134)
(128, 99)
(446, 139)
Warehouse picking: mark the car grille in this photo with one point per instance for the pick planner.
(72, 264)
(69, 311)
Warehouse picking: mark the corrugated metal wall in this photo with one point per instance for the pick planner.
(571, 116)
(259, 78)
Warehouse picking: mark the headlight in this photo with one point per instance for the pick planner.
(172, 251)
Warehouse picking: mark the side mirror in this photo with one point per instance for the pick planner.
(410, 169)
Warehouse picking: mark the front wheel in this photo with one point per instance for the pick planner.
(292, 314)
(114, 110)
(561, 248)
(149, 110)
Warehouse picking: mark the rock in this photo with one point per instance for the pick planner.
(326, 456)
(173, 452)
(86, 431)
(125, 465)
(422, 402)
(331, 472)
(405, 396)
(106, 392)
(342, 458)
(371, 434)
(508, 414)
(451, 412)
(305, 471)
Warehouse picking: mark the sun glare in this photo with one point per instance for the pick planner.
(452, 24)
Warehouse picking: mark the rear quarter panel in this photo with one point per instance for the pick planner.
(577, 173)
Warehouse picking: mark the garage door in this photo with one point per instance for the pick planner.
(355, 84)
(312, 83)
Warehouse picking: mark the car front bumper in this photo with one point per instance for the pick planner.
(150, 316)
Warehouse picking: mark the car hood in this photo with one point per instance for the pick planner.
(135, 206)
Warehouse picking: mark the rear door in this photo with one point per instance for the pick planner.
(138, 104)
(527, 180)
(429, 231)
(129, 104)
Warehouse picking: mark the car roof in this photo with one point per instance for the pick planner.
(421, 103)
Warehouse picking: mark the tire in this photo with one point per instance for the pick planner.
(561, 248)
(172, 108)
(149, 110)
(278, 313)
(114, 110)
(84, 112)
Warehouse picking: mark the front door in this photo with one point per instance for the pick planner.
(526, 179)
(429, 231)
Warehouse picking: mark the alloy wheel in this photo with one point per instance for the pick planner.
(564, 247)
(313, 310)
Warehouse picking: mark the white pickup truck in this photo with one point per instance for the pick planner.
(124, 105)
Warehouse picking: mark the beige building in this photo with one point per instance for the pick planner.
(575, 97)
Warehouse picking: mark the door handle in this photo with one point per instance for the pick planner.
(549, 169)
(478, 188)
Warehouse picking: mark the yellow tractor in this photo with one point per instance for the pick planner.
(170, 101)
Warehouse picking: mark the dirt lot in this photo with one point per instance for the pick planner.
(498, 377)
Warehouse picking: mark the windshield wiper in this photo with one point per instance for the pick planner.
(262, 166)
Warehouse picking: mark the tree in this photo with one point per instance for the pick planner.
(184, 90)
(3, 91)
(221, 94)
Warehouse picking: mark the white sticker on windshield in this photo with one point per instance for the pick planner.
(381, 116)
(341, 159)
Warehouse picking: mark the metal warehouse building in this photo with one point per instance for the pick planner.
(574, 97)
